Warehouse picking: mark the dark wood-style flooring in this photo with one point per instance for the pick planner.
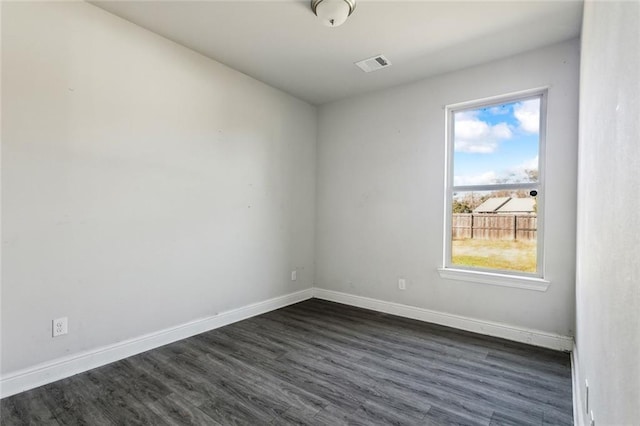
(315, 363)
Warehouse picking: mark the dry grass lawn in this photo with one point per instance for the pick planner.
(495, 254)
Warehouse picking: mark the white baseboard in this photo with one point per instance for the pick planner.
(61, 368)
(579, 418)
(509, 332)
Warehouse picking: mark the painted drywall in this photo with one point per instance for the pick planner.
(144, 185)
(608, 271)
(380, 192)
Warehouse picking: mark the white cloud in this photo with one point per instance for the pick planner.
(531, 164)
(501, 131)
(476, 136)
(519, 172)
(514, 174)
(486, 178)
(528, 115)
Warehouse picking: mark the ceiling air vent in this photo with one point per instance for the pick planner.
(373, 64)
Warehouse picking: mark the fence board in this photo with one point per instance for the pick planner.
(494, 226)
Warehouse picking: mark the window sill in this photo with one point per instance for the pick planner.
(528, 283)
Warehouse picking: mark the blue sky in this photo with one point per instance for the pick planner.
(496, 142)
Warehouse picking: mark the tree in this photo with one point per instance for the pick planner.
(461, 207)
(532, 175)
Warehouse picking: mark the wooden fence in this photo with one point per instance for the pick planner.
(494, 226)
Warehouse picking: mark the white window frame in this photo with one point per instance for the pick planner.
(526, 280)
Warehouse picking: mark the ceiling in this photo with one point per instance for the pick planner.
(284, 45)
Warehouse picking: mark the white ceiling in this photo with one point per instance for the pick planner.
(284, 45)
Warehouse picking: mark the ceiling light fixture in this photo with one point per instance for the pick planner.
(333, 13)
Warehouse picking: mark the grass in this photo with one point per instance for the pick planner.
(495, 254)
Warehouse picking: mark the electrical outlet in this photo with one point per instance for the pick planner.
(294, 275)
(402, 284)
(60, 326)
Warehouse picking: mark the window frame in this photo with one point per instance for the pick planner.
(527, 280)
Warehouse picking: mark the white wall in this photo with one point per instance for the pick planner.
(381, 188)
(608, 266)
(143, 184)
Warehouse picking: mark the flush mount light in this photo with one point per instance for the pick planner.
(333, 12)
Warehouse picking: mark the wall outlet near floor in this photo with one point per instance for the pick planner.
(60, 326)
(294, 275)
(402, 284)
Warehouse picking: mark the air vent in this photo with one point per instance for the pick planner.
(373, 64)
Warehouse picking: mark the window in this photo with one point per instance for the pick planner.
(494, 194)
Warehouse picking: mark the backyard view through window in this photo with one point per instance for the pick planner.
(495, 186)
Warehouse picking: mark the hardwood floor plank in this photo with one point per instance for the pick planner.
(240, 393)
(295, 417)
(383, 413)
(363, 384)
(230, 413)
(191, 387)
(492, 388)
(257, 376)
(323, 387)
(541, 366)
(557, 417)
(71, 404)
(430, 392)
(444, 416)
(332, 415)
(178, 412)
(135, 382)
(29, 409)
(387, 333)
(504, 417)
(461, 387)
(116, 404)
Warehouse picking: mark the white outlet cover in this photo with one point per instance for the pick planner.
(60, 326)
(294, 275)
(402, 284)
